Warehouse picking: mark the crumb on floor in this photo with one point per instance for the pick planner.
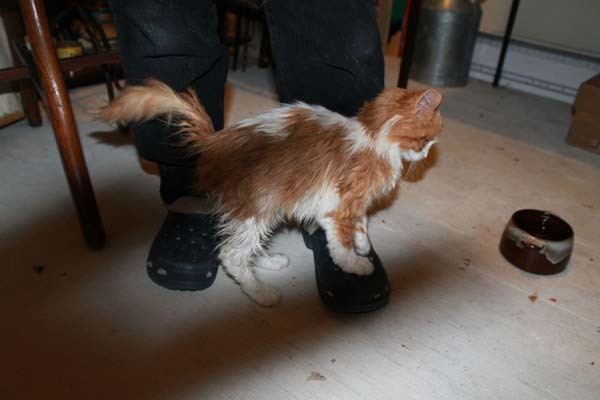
(533, 297)
(315, 376)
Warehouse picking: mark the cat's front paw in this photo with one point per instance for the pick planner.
(358, 265)
(264, 295)
(362, 245)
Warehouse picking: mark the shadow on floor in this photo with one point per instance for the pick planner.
(67, 333)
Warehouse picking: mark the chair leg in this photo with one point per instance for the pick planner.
(245, 36)
(30, 104)
(13, 25)
(63, 121)
(407, 41)
(238, 36)
(264, 58)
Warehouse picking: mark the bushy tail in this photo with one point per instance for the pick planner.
(152, 99)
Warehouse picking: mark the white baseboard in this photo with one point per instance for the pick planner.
(545, 72)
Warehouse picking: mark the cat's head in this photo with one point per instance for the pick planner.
(407, 119)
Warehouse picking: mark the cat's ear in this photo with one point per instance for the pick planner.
(429, 101)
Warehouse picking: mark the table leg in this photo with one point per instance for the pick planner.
(505, 41)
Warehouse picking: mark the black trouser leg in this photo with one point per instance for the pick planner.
(326, 52)
(176, 42)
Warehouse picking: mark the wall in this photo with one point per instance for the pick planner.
(572, 25)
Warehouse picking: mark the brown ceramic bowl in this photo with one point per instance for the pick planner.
(537, 241)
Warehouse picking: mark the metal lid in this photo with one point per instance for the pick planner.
(458, 6)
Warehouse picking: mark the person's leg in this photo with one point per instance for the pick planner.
(176, 42)
(326, 52)
(329, 53)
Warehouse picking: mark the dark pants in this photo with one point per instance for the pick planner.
(325, 52)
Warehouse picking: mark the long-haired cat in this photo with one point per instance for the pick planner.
(299, 162)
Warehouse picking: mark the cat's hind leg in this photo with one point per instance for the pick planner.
(241, 244)
(272, 262)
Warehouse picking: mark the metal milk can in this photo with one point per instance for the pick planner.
(446, 33)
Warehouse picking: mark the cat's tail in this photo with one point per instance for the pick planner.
(153, 99)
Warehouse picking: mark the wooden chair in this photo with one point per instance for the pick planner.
(49, 71)
(248, 15)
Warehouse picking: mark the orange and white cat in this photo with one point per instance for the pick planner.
(300, 162)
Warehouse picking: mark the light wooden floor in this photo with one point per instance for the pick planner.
(460, 324)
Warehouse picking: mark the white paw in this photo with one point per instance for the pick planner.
(274, 262)
(354, 264)
(362, 246)
(264, 295)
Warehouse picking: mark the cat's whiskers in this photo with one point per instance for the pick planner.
(414, 171)
(407, 176)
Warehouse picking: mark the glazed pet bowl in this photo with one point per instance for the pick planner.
(537, 242)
